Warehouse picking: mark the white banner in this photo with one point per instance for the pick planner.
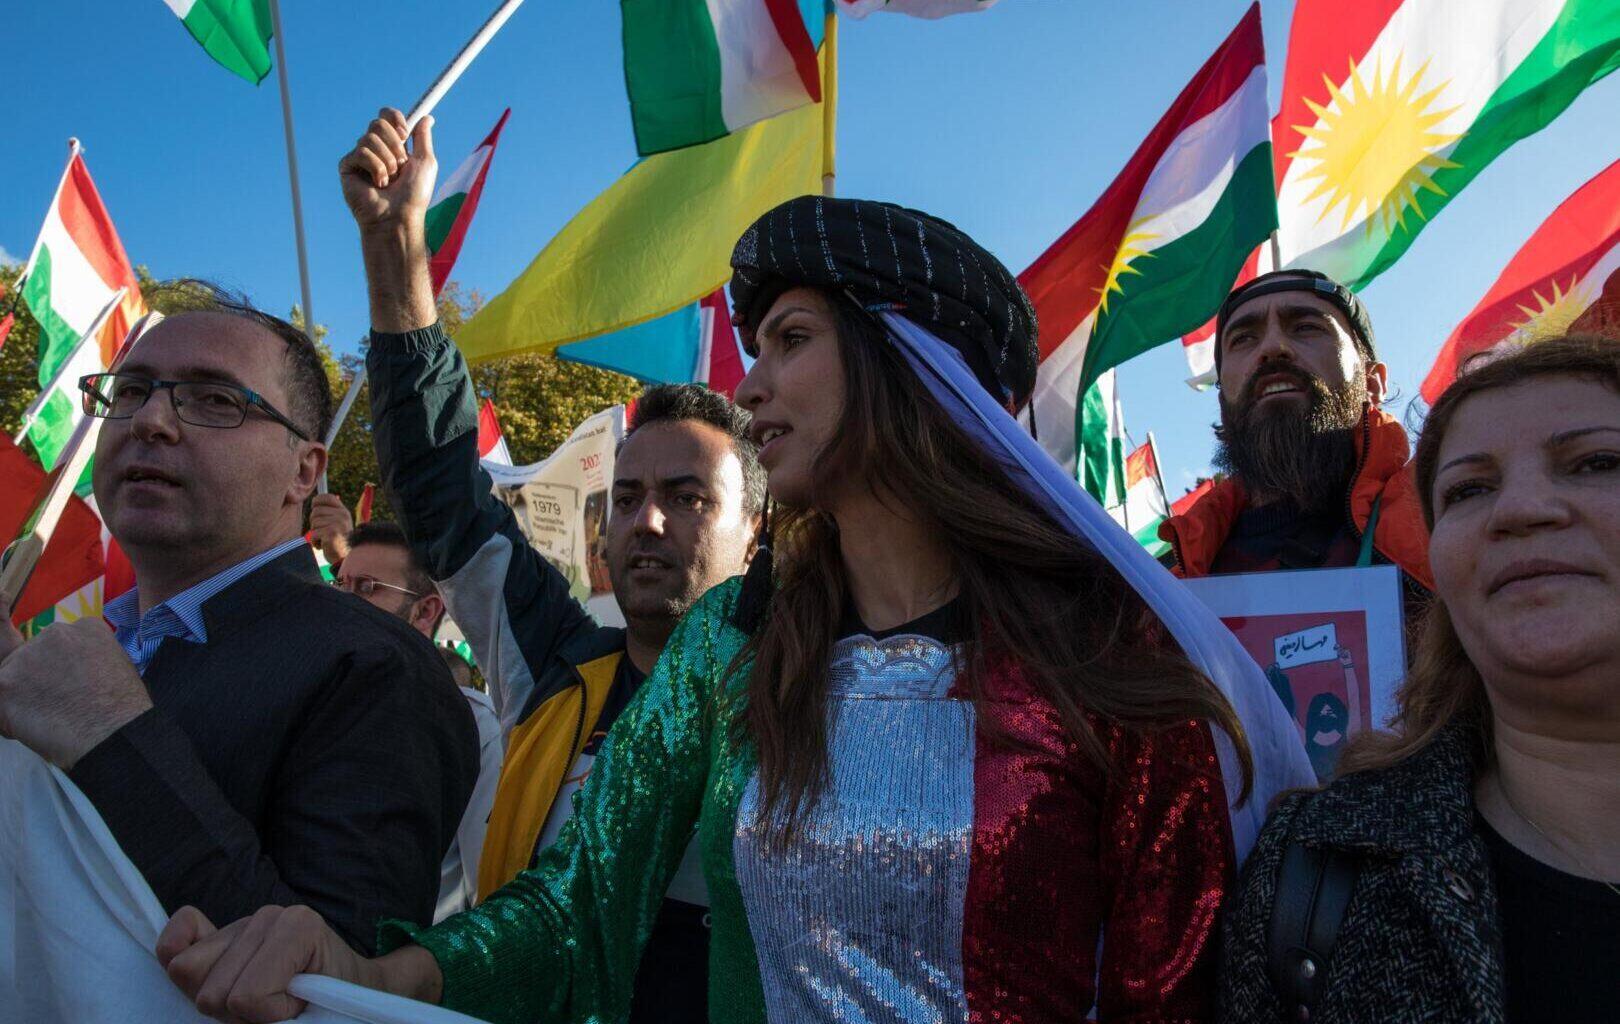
(562, 506)
(78, 923)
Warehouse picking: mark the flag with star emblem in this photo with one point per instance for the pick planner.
(1151, 260)
(1390, 107)
(1566, 278)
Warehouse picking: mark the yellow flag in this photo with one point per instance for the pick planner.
(658, 239)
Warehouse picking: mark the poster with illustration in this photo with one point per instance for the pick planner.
(1331, 642)
(561, 505)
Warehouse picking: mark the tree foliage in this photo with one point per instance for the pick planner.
(540, 398)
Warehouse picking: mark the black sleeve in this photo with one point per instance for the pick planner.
(356, 818)
(1247, 994)
(513, 606)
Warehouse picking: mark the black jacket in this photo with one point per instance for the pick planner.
(315, 750)
(1420, 939)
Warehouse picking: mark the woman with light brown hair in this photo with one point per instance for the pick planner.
(1463, 865)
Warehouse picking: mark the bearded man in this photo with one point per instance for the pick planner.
(1313, 463)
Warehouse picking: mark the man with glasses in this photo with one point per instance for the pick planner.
(250, 736)
(380, 567)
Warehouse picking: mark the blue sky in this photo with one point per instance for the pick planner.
(1008, 123)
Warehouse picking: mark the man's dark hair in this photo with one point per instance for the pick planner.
(309, 391)
(675, 403)
(380, 531)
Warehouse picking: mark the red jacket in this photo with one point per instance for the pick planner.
(1382, 471)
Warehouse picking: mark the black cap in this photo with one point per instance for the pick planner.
(1312, 282)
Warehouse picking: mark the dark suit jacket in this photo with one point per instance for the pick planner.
(315, 750)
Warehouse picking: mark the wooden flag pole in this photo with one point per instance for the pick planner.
(423, 107)
(45, 392)
(292, 168)
(23, 554)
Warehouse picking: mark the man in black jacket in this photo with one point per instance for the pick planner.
(250, 735)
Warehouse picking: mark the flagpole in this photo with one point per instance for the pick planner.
(292, 168)
(1158, 471)
(45, 392)
(829, 112)
(423, 107)
(1276, 251)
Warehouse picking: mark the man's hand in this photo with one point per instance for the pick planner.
(241, 972)
(330, 525)
(388, 191)
(384, 185)
(68, 689)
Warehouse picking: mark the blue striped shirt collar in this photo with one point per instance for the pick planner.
(181, 615)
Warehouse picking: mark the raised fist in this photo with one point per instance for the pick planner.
(384, 184)
(330, 525)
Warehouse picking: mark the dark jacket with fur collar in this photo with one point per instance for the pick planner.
(1420, 940)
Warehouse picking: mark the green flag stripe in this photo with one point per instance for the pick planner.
(1093, 443)
(56, 337)
(1181, 284)
(441, 217)
(236, 33)
(1582, 46)
(672, 72)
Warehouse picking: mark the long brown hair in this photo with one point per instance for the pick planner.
(1443, 687)
(1029, 591)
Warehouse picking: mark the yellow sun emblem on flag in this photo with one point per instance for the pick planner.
(1130, 248)
(1375, 147)
(1552, 315)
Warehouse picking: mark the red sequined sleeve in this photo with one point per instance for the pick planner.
(1167, 864)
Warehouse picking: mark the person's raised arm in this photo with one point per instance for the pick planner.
(513, 607)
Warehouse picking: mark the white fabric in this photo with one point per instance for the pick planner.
(78, 923)
(1280, 762)
(458, 875)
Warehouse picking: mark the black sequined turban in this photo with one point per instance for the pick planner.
(890, 258)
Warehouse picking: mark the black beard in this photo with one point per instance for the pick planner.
(1302, 454)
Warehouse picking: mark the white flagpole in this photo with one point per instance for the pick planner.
(292, 167)
(1158, 472)
(45, 392)
(423, 107)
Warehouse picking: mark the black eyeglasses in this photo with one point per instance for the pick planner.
(202, 403)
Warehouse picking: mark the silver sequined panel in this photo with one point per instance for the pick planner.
(860, 918)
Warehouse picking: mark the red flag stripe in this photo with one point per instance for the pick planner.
(440, 265)
(1064, 281)
(725, 358)
(1580, 232)
(489, 429)
(796, 38)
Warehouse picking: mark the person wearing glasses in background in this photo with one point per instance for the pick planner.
(250, 736)
(376, 563)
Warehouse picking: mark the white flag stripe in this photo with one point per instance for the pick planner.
(1470, 47)
(758, 78)
(1193, 173)
(181, 8)
(464, 177)
(1057, 388)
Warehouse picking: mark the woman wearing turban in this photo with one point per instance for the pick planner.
(955, 750)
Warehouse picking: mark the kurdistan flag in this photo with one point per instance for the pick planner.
(1566, 278)
(454, 203)
(72, 277)
(1152, 259)
(1102, 449)
(1390, 108)
(700, 69)
(1145, 505)
(236, 33)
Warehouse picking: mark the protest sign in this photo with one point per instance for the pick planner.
(561, 505)
(1331, 641)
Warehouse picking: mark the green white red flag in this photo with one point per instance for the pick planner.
(72, 277)
(236, 33)
(697, 70)
(73, 558)
(1566, 278)
(1391, 107)
(362, 508)
(1145, 505)
(1152, 259)
(454, 202)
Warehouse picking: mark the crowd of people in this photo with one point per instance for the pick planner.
(900, 726)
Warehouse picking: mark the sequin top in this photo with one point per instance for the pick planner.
(965, 862)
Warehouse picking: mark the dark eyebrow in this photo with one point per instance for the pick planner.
(775, 322)
(686, 480)
(627, 483)
(1245, 321)
(1566, 436)
(1475, 457)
